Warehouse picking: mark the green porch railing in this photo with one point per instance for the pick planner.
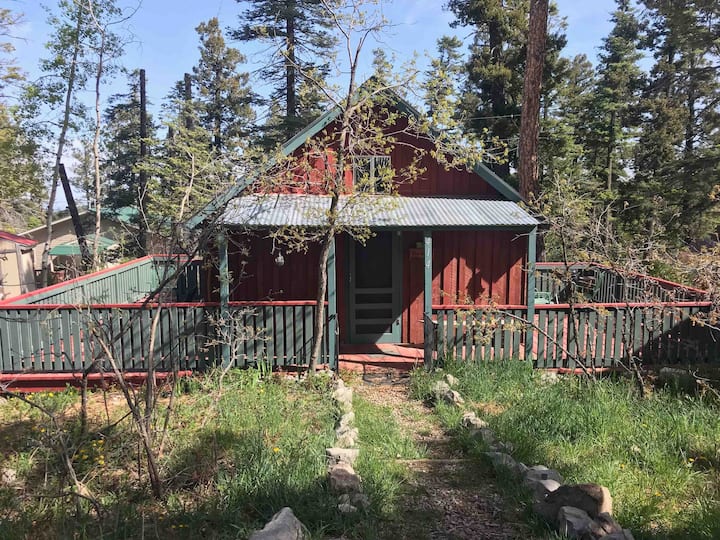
(123, 284)
(598, 335)
(48, 338)
(600, 284)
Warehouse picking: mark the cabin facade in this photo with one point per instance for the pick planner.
(452, 236)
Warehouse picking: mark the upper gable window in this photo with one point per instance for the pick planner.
(372, 174)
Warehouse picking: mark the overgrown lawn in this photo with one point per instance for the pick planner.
(232, 458)
(658, 455)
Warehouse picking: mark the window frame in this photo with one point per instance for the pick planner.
(375, 161)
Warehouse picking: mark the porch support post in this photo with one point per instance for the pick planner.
(332, 320)
(530, 293)
(429, 331)
(224, 276)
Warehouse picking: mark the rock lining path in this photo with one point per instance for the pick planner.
(449, 497)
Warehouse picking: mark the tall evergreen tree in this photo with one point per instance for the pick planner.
(224, 98)
(493, 94)
(299, 32)
(443, 82)
(677, 165)
(615, 113)
(122, 146)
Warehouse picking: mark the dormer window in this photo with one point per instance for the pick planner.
(372, 174)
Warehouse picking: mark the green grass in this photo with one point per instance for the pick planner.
(232, 459)
(659, 455)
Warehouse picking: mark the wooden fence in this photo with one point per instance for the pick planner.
(600, 284)
(597, 335)
(63, 338)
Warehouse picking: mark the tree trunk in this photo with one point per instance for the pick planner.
(142, 225)
(45, 264)
(290, 68)
(96, 155)
(85, 255)
(528, 171)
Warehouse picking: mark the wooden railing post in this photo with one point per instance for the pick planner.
(428, 329)
(224, 278)
(332, 307)
(530, 332)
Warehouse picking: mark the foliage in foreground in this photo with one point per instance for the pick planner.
(235, 455)
(659, 456)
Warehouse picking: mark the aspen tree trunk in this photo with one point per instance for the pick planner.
(72, 74)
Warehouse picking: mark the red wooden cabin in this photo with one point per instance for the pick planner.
(450, 237)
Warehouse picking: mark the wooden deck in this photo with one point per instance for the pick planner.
(379, 358)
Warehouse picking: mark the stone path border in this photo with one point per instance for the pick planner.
(582, 511)
(342, 478)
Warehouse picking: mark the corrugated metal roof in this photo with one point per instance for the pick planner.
(376, 211)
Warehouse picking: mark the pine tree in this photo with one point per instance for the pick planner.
(615, 108)
(299, 33)
(564, 120)
(443, 81)
(223, 96)
(676, 165)
(122, 146)
(493, 93)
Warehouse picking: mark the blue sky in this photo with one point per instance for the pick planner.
(165, 43)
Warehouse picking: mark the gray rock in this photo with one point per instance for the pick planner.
(549, 377)
(451, 397)
(343, 430)
(348, 439)
(540, 488)
(603, 525)
(439, 389)
(573, 522)
(452, 381)
(343, 394)
(540, 472)
(471, 421)
(8, 476)
(360, 500)
(344, 479)
(347, 419)
(283, 526)
(505, 461)
(592, 498)
(342, 455)
(346, 508)
(506, 447)
(487, 436)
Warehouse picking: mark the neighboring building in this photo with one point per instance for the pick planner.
(116, 229)
(16, 265)
(451, 237)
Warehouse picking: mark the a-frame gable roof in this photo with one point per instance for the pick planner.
(315, 127)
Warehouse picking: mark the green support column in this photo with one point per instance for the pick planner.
(332, 306)
(429, 331)
(224, 277)
(532, 256)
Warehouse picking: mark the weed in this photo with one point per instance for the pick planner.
(659, 456)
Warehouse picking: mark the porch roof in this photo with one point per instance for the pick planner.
(376, 212)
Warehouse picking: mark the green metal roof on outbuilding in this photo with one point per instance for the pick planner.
(376, 212)
(72, 249)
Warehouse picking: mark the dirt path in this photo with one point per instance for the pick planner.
(449, 497)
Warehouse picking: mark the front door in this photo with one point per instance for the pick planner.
(375, 289)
